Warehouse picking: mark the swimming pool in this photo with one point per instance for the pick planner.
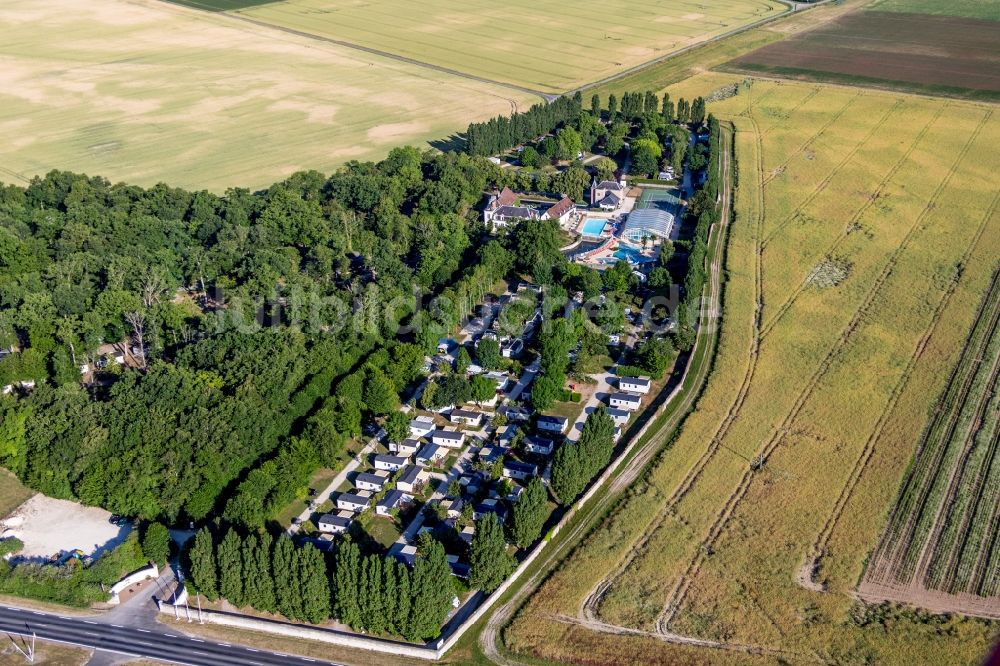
(593, 227)
(631, 253)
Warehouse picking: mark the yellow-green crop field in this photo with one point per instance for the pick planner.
(151, 92)
(542, 45)
(867, 229)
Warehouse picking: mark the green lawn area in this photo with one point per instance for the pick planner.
(12, 492)
(570, 410)
(318, 481)
(382, 530)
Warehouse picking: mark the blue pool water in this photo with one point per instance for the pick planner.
(594, 227)
(631, 253)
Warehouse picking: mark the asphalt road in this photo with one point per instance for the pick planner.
(175, 648)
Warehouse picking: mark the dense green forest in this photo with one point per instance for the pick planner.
(268, 323)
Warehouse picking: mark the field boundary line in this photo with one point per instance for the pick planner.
(865, 207)
(722, 519)
(795, 9)
(820, 545)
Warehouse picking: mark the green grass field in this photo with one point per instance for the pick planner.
(829, 396)
(548, 46)
(980, 9)
(12, 493)
(155, 92)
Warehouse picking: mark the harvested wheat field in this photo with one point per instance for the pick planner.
(549, 46)
(867, 229)
(152, 92)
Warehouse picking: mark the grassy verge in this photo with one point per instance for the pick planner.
(12, 493)
(46, 654)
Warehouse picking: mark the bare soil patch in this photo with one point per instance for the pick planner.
(943, 52)
(50, 526)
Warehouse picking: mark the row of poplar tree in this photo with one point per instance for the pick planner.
(576, 463)
(367, 592)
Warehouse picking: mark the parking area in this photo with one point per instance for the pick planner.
(50, 527)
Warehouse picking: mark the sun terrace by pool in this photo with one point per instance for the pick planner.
(593, 227)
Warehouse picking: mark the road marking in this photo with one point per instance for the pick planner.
(118, 626)
(197, 640)
(307, 659)
(224, 644)
(170, 635)
(88, 622)
(145, 631)
(37, 613)
(63, 618)
(252, 650)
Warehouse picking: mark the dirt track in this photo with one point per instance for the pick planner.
(490, 637)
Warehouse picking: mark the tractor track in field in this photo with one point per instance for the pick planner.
(683, 586)
(780, 169)
(825, 182)
(819, 547)
(865, 207)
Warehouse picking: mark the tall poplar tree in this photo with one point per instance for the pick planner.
(667, 109)
(314, 585)
(265, 573)
(285, 565)
(230, 560)
(432, 592)
(347, 571)
(401, 619)
(490, 563)
(529, 513)
(204, 572)
(370, 594)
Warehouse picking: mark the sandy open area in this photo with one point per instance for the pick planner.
(48, 526)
